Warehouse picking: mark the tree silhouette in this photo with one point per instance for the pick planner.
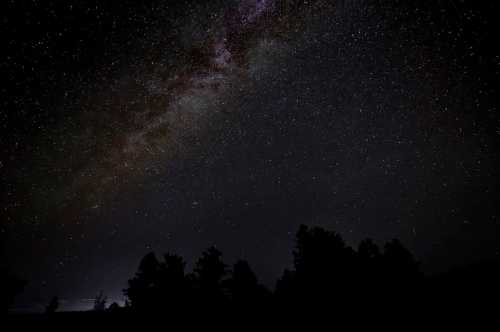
(325, 271)
(100, 302)
(244, 286)
(159, 285)
(321, 261)
(173, 285)
(52, 306)
(209, 273)
(142, 291)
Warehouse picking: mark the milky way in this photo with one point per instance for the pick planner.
(190, 97)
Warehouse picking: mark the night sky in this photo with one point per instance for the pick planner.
(131, 126)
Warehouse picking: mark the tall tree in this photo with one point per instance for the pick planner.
(142, 290)
(173, 286)
(209, 272)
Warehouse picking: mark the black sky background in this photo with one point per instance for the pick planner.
(373, 118)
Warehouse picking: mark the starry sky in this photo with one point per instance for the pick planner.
(168, 125)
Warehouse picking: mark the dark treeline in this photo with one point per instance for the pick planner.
(327, 275)
(328, 279)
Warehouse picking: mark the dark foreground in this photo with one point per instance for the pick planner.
(330, 284)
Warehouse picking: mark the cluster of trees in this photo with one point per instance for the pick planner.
(100, 302)
(326, 274)
(165, 284)
(324, 268)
